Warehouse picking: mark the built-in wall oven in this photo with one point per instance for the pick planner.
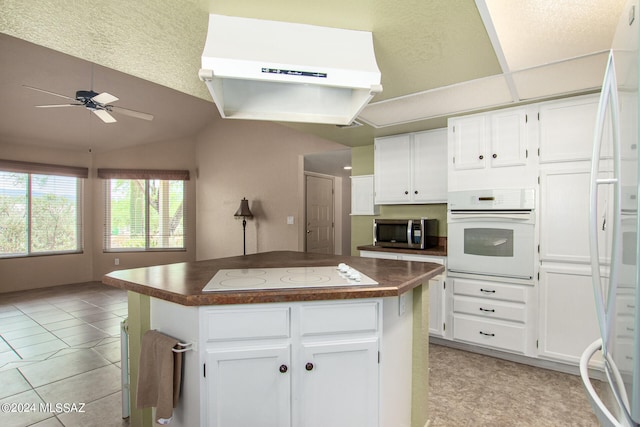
(492, 233)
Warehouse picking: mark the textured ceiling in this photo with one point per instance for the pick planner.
(148, 55)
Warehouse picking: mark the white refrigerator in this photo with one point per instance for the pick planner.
(616, 276)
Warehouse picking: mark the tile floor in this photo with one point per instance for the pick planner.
(61, 346)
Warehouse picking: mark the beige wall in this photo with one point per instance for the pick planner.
(263, 162)
(93, 263)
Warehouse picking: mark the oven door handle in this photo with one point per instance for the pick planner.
(512, 216)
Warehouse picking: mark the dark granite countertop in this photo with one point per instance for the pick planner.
(435, 251)
(182, 283)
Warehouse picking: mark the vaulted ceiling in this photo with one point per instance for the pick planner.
(437, 59)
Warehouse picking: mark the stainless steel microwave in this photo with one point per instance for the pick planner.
(405, 233)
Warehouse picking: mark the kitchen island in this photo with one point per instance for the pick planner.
(342, 355)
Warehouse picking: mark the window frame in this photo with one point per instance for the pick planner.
(30, 169)
(146, 175)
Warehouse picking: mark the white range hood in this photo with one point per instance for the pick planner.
(269, 70)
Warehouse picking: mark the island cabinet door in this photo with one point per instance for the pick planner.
(249, 386)
(339, 384)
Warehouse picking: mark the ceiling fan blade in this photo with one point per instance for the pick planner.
(104, 116)
(104, 98)
(50, 93)
(59, 105)
(131, 113)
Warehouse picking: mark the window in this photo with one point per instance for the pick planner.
(143, 210)
(40, 209)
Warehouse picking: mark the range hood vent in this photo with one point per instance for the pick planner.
(269, 70)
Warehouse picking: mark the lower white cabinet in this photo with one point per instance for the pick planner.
(439, 300)
(300, 364)
(339, 384)
(496, 315)
(568, 322)
(256, 376)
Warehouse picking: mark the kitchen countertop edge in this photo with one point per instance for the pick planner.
(182, 283)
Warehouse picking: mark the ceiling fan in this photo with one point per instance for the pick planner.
(98, 103)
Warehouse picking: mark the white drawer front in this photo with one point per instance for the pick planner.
(338, 318)
(476, 288)
(247, 323)
(625, 326)
(490, 308)
(490, 333)
(626, 304)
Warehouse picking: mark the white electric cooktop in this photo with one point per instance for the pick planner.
(285, 278)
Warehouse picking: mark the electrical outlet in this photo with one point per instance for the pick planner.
(116, 261)
(290, 220)
(402, 304)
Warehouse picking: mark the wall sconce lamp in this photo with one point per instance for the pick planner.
(245, 213)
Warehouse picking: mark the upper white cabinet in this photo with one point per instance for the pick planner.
(567, 127)
(362, 193)
(411, 168)
(490, 150)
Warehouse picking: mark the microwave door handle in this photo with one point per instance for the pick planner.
(409, 232)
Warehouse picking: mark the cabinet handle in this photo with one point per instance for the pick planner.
(488, 291)
(283, 369)
(495, 156)
(415, 192)
(406, 192)
(308, 366)
(488, 310)
(481, 157)
(487, 335)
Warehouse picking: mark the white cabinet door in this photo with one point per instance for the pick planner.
(468, 136)
(491, 150)
(392, 163)
(436, 306)
(339, 384)
(249, 386)
(567, 128)
(508, 139)
(568, 322)
(362, 194)
(429, 167)
(564, 213)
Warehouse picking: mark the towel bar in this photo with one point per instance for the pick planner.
(185, 347)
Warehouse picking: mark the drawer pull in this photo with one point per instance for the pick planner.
(630, 329)
(487, 310)
(488, 291)
(487, 335)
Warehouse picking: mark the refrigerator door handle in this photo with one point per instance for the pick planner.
(605, 307)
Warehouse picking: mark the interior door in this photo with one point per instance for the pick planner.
(319, 213)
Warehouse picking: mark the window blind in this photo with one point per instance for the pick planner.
(40, 209)
(144, 214)
(43, 168)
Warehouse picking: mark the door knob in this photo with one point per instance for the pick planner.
(308, 231)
